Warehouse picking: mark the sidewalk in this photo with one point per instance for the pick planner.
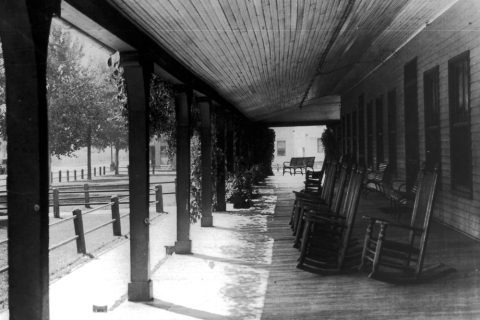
(103, 280)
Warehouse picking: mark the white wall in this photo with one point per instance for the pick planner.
(300, 141)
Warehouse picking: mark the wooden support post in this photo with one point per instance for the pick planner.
(59, 175)
(24, 32)
(235, 142)
(94, 171)
(117, 225)
(75, 175)
(56, 203)
(229, 142)
(206, 156)
(137, 74)
(79, 232)
(68, 176)
(104, 170)
(183, 100)
(86, 189)
(158, 198)
(82, 174)
(221, 135)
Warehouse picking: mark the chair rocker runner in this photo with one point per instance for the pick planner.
(327, 246)
(403, 261)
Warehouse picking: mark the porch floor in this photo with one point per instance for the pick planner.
(244, 268)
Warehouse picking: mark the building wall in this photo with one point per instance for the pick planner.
(300, 142)
(453, 33)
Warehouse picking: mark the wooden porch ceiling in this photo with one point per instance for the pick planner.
(269, 57)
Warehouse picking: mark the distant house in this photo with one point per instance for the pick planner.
(159, 153)
(298, 142)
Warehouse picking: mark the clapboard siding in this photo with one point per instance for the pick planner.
(453, 33)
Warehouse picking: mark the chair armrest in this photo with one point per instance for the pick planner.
(307, 195)
(392, 224)
(286, 163)
(330, 218)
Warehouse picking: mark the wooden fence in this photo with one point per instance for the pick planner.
(77, 215)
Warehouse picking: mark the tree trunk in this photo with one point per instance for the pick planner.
(89, 154)
(117, 151)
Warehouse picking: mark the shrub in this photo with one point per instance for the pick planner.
(240, 190)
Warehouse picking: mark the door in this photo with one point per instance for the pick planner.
(432, 119)
(392, 130)
(361, 131)
(379, 128)
(411, 122)
(370, 134)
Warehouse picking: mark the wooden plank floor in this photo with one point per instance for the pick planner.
(296, 294)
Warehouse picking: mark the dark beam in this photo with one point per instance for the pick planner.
(137, 75)
(24, 31)
(183, 101)
(107, 16)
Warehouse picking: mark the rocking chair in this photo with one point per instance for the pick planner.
(332, 208)
(402, 261)
(325, 196)
(327, 246)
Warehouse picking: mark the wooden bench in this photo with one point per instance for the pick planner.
(298, 163)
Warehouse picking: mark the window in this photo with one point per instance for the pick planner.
(281, 147)
(392, 130)
(460, 134)
(432, 119)
(410, 103)
(319, 145)
(379, 128)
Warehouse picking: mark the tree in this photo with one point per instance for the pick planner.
(83, 104)
(3, 124)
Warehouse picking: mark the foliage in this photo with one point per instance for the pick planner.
(330, 146)
(162, 113)
(240, 190)
(263, 140)
(83, 107)
(195, 178)
(3, 124)
(3, 121)
(253, 167)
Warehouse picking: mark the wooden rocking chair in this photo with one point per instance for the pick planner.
(332, 208)
(327, 246)
(402, 261)
(325, 196)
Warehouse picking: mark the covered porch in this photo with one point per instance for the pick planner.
(245, 67)
(244, 268)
